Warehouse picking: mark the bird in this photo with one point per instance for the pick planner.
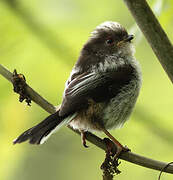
(102, 89)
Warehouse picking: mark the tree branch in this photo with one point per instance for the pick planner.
(128, 156)
(153, 32)
(33, 94)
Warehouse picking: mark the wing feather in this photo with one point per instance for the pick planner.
(98, 86)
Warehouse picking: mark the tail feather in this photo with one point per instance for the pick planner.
(40, 133)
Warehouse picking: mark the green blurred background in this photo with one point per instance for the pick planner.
(42, 39)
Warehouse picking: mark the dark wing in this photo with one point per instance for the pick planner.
(97, 86)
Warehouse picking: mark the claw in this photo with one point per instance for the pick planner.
(83, 138)
(120, 148)
(126, 149)
(109, 147)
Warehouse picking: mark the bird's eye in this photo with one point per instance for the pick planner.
(109, 41)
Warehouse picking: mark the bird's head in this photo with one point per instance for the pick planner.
(110, 38)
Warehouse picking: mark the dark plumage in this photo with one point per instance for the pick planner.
(102, 89)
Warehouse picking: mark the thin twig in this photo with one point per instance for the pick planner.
(128, 156)
(153, 32)
(164, 169)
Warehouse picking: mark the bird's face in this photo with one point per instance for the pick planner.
(110, 38)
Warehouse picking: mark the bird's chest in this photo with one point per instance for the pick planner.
(120, 107)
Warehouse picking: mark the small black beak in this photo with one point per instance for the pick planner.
(129, 38)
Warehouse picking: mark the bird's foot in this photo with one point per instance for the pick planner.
(110, 164)
(114, 148)
(83, 138)
(120, 149)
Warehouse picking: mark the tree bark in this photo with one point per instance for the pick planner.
(153, 32)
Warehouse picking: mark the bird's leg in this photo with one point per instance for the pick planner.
(119, 146)
(83, 138)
